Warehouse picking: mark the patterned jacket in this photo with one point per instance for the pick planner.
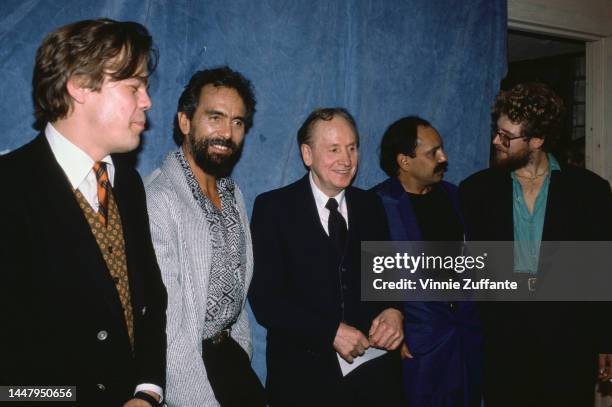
(182, 241)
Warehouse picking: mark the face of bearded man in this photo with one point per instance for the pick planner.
(215, 164)
(215, 133)
(515, 153)
(511, 160)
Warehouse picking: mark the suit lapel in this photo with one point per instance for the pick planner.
(554, 223)
(502, 200)
(61, 212)
(403, 225)
(313, 229)
(122, 193)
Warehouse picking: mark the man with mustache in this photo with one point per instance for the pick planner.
(441, 353)
(306, 285)
(538, 353)
(82, 302)
(201, 236)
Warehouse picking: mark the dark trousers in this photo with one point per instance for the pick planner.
(538, 354)
(316, 380)
(231, 377)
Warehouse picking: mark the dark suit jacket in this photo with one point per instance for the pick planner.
(61, 317)
(524, 340)
(437, 333)
(301, 288)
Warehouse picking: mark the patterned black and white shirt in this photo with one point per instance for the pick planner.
(228, 266)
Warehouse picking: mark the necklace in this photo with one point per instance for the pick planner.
(534, 177)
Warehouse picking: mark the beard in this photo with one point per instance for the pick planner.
(217, 165)
(512, 162)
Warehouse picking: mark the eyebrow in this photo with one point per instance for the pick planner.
(339, 145)
(434, 148)
(506, 132)
(220, 113)
(142, 79)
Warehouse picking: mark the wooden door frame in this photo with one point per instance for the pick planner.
(594, 31)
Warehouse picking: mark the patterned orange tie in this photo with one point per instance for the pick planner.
(104, 187)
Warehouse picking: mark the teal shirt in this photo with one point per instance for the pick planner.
(528, 226)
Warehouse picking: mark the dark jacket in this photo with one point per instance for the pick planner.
(302, 289)
(524, 341)
(61, 317)
(438, 334)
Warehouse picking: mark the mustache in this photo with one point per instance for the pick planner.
(441, 167)
(220, 142)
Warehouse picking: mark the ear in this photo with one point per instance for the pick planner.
(184, 123)
(536, 143)
(306, 151)
(403, 161)
(75, 89)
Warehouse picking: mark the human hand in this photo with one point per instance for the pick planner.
(387, 331)
(350, 342)
(405, 352)
(143, 403)
(604, 371)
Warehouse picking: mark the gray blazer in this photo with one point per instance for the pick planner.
(182, 241)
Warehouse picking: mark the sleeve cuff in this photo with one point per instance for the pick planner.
(151, 387)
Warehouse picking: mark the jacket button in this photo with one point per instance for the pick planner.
(102, 335)
(101, 387)
(144, 310)
(343, 269)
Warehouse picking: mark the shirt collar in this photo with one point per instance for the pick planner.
(74, 161)
(320, 197)
(553, 164)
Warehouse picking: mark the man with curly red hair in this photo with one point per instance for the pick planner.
(537, 353)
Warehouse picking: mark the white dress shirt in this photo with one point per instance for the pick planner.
(78, 167)
(321, 200)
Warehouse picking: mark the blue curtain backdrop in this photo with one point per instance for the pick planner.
(441, 59)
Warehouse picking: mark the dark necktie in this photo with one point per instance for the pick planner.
(103, 190)
(336, 225)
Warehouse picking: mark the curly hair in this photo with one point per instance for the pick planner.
(90, 50)
(222, 76)
(534, 105)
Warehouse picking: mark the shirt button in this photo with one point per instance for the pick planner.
(116, 280)
(110, 249)
(101, 387)
(102, 335)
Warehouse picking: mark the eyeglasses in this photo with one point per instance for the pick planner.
(506, 138)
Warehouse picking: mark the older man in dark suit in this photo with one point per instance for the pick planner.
(306, 284)
(81, 300)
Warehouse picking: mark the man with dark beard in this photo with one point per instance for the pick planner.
(538, 353)
(201, 236)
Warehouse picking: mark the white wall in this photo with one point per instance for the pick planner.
(589, 18)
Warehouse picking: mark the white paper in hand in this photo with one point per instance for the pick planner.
(370, 353)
